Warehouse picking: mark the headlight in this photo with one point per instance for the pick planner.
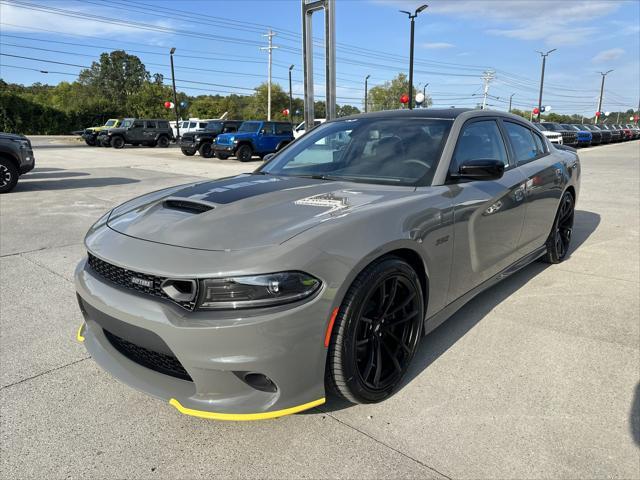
(23, 143)
(257, 291)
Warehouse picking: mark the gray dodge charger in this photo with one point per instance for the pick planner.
(250, 297)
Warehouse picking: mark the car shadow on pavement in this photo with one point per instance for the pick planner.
(453, 329)
(634, 416)
(61, 181)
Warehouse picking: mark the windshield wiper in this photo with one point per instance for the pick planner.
(318, 177)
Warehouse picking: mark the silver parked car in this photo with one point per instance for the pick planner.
(244, 298)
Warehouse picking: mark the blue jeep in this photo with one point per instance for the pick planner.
(254, 137)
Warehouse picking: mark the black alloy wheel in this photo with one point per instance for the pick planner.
(376, 333)
(8, 175)
(117, 142)
(560, 237)
(205, 150)
(244, 153)
(163, 142)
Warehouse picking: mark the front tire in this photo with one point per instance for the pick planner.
(205, 150)
(90, 141)
(8, 175)
(188, 152)
(244, 153)
(560, 236)
(163, 142)
(117, 142)
(376, 332)
(222, 156)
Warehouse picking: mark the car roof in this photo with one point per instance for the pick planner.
(451, 113)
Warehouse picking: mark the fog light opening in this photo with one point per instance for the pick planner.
(260, 382)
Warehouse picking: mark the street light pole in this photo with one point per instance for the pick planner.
(290, 97)
(366, 92)
(544, 62)
(412, 18)
(510, 101)
(424, 90)
(175, 95)
(604, 74)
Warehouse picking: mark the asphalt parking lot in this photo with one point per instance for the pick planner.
(536, 378)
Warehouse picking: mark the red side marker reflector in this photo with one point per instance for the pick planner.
(327, 337)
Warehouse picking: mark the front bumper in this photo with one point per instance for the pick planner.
(227, 149)
(216, 350)
(28, 161)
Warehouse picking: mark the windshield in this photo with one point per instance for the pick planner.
(110, 123)
(398, 151)
(250, 127)
(551, 126)
(126, 123)
(539, 127)
(215, 127)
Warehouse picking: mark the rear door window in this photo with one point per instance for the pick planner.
(151, 124)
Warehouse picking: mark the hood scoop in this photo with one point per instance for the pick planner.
(188, 205)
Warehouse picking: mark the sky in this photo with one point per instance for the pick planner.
(218, 46)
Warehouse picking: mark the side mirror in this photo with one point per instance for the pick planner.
(480, 170)
(268, 157)
(263, 131)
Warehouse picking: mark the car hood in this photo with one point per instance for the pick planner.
(246, 211)
(236, 135)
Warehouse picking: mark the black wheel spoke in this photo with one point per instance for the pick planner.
(361, 343)
(403, 319)
(393, 358)
(398, 341)
(369, 366)
(376, 376)
(403, 304)
(390, 297)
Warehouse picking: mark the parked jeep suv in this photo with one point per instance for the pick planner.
(202, 141)
(90, 134)
(138, 131)
(16, 158)
(254, 137)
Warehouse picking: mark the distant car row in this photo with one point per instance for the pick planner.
(585, 135)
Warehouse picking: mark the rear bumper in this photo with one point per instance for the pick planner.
(216, 353)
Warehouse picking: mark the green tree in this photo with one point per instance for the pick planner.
(117, 77)
(257, 106)
(346, 110)
(387, 96)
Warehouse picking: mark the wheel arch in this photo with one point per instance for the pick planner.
(401, 250)
(10, 157)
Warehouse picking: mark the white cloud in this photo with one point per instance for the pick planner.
(608, 55)
(20, 20)
(438, 45)
(552, 21)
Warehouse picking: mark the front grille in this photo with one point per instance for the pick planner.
(159, 362)
(140, 282)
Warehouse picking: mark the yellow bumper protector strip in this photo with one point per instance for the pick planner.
(239, 417)
(79, 335)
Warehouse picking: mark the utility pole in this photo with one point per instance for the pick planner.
(510, 100)
(412, 18)
(604, 74)
(366, 92)
(269, 48)
(544, 63)
(175, 95)
(424, 90)
(290, 97)
(487, 78)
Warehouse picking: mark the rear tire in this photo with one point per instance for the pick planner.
(188, 152)
(117, 142)
(244, 153)
(205, 150)
(8, 175)
(163, 142)
(376, 332)
(560, 236)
